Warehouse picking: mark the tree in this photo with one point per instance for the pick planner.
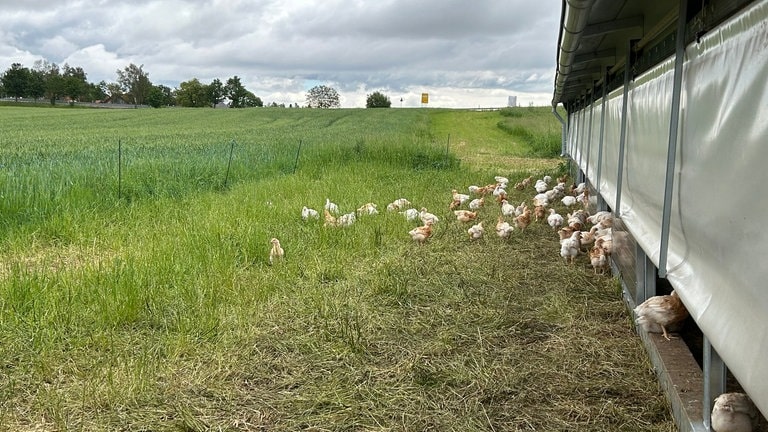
(36, 84)
(54, 82)
(377, 100)
(159, 96)
(193, 93)
(216, 92)
(323, 97)
(251, 100)
(15, 81)
(236, 92)
(135, 82)
(75, 82)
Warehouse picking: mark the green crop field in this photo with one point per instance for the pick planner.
(136, 292)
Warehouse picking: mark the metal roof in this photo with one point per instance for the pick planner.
(595, 38)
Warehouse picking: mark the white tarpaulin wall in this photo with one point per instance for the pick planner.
(718, 237)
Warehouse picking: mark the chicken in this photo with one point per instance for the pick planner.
(563, 179)
(520, 209)
(540, 186)
(539, 212)
(476, 231)
(462, 198)
(555, 220)
(606, 244)
(398, 204)
(410, 214)
(330, 220)
(454, 205)
(734, 412)
(524, 219)
(346, 220)
(503, 229)
(598, 260)
(427, 217)
(507, 209)
(501, 180)
(659, 312)
(568, 200)
(421, 234)
(331, 206)
(308, 213)
(547, 179)
(474, 189)
(599, 217)
(501, 196)
(367, 209)
(465, 215)
(569, 248)
(476, 203)
(277, 252)
(565, 233)
(541, 199)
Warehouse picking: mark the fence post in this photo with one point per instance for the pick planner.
(296, 163)
(229, 164)
(119, 169)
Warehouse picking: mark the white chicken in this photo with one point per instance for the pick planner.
(474, 189)
(507, 209)
(476, 203)
(659, 312)
(276, 252)
(555, 220)
(569, 248)
(520, 209)
(503, 229)
(541, 199)
(540, 186)
(547, 179)
(347, 219)
(476, 231)
(734, 412)
(331, 206)
(501, 180)
(308, 213)
(568, 200)
(427, 217)
(410, 214)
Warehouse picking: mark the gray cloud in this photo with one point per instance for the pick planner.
(491, 47)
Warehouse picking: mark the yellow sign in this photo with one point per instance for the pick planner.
(425, 98)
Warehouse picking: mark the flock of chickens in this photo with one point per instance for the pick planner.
(580, 233)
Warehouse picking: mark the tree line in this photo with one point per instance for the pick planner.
(48, 81)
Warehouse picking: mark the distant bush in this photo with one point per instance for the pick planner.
(511, 112)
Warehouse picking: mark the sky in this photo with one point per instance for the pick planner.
(463, 53)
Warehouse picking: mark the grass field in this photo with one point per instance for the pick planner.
(136, 293)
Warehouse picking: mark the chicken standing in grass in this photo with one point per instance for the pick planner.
(476, 203)
(598, 260)
(421, 234)
(659, 312)
(460, 197)
(569, 248)
(427, 217)
(465, 215)
(410, 214)
(308, 213)
(331, 206)
(555, 220)
(734, 412)
(524, 219)
(476, 231)
(277, 252)
(507, 209)
(330, 220)
(504, 229)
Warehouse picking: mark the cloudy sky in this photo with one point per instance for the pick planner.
(464, 53)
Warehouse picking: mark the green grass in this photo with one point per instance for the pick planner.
(157, 309)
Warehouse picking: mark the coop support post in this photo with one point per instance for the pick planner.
(589, 133)
(714, 380)
(600, 201)
(674, 123)
(645, 272)
(563, 130)
(623, 133)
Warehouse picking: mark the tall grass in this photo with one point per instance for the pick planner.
(159, 310)
(536, 127)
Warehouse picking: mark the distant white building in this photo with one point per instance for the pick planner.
(512, 101)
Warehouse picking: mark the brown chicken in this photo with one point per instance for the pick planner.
(540, 212)
(330, 220)
(422, 233)
(465, 215)
(524, 219)
(598, 259)
(659, 312)
(276, 253)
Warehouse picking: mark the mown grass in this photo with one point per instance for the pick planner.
(159, 311)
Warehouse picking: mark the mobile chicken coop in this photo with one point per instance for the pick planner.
(667, 122)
